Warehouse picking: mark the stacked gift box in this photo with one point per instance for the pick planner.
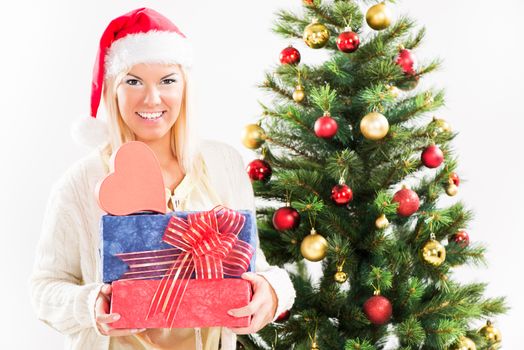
(172, 270)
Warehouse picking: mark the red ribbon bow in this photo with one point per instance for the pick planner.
(206, 245)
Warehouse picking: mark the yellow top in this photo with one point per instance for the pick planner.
(193, 193)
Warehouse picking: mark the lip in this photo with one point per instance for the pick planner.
(152, 120)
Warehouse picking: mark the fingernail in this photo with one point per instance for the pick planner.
(230, 313)
(116, 317)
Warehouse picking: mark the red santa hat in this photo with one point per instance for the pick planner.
(139, 36)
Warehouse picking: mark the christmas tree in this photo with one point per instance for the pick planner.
(352, 164)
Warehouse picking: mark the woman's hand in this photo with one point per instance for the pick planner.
(262, 307)
(103, 318)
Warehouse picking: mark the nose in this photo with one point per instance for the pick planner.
(152, 97)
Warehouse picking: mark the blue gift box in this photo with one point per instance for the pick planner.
(144, 232)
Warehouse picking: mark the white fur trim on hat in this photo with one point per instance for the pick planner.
(151, 47)
(89, 131)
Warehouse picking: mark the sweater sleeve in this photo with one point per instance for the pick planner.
(59, 296)
(244, 198)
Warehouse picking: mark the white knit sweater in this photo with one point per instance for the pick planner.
(66, 278)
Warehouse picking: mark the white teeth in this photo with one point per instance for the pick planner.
(150, 116)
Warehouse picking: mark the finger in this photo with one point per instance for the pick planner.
(106, 291)
(255, 325)
(107, 318)
(247, 310)
(123, 332)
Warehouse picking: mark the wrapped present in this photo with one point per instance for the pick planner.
(179, 269)
(205, 304)
(144, 232)
(184, 264)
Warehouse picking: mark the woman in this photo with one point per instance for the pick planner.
(142, 70)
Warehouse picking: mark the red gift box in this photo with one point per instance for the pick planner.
(205, 304)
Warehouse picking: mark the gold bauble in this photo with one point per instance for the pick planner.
(299, 94)
(433, 252)
(491, 334)
(381, 222)
(316, 35)
(314, 346)
(465, 344)
(314, 247)
(253, 136)
(374, 126)
(340, 277)
(442, 125)
(452, 189)
(378, 16)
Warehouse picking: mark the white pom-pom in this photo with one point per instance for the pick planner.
(89, 131)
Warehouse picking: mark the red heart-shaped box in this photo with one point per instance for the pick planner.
(135, 184)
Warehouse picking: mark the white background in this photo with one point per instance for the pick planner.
(46, 61)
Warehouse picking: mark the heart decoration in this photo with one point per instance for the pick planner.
(135, 184)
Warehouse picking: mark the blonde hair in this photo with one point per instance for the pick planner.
(184, 139)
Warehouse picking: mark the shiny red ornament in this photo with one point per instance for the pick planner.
(259, 170)
(341, 194)
(378, 309)
(326, 127)
(290, 55)
(284, 316)
(408, 202)
(461, 238)
(455, 178)
(348, 41)
(432, 156)
(407, 61)
(286, 218)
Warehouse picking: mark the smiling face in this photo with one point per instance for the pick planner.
(150, 98)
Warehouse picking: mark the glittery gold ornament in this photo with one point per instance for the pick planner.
(452, 189)
(314, 246)
(299, 94)
(381, 222)
(433, 252)
(465, 344)
(441, 125)
(253, 136)
(316, 35)
(374, 126)
(491, 334)
(378, 16)
(340, 277)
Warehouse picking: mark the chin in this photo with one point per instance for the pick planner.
(149, 137)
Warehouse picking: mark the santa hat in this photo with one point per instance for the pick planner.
(140, 36)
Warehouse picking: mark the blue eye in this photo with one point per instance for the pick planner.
(132, 82)
(168, 81)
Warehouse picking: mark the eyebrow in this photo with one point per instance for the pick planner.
(167, 76)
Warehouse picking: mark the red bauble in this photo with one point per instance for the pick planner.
(326, 127)
(455, 178)
(286, 218)
(461, 238)
(341, 194)
(408, 202)
(284, 316)
(407, 61)
(348, 41)
(378, 309)
(289, 55)
(432, 156)
(259, 170)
